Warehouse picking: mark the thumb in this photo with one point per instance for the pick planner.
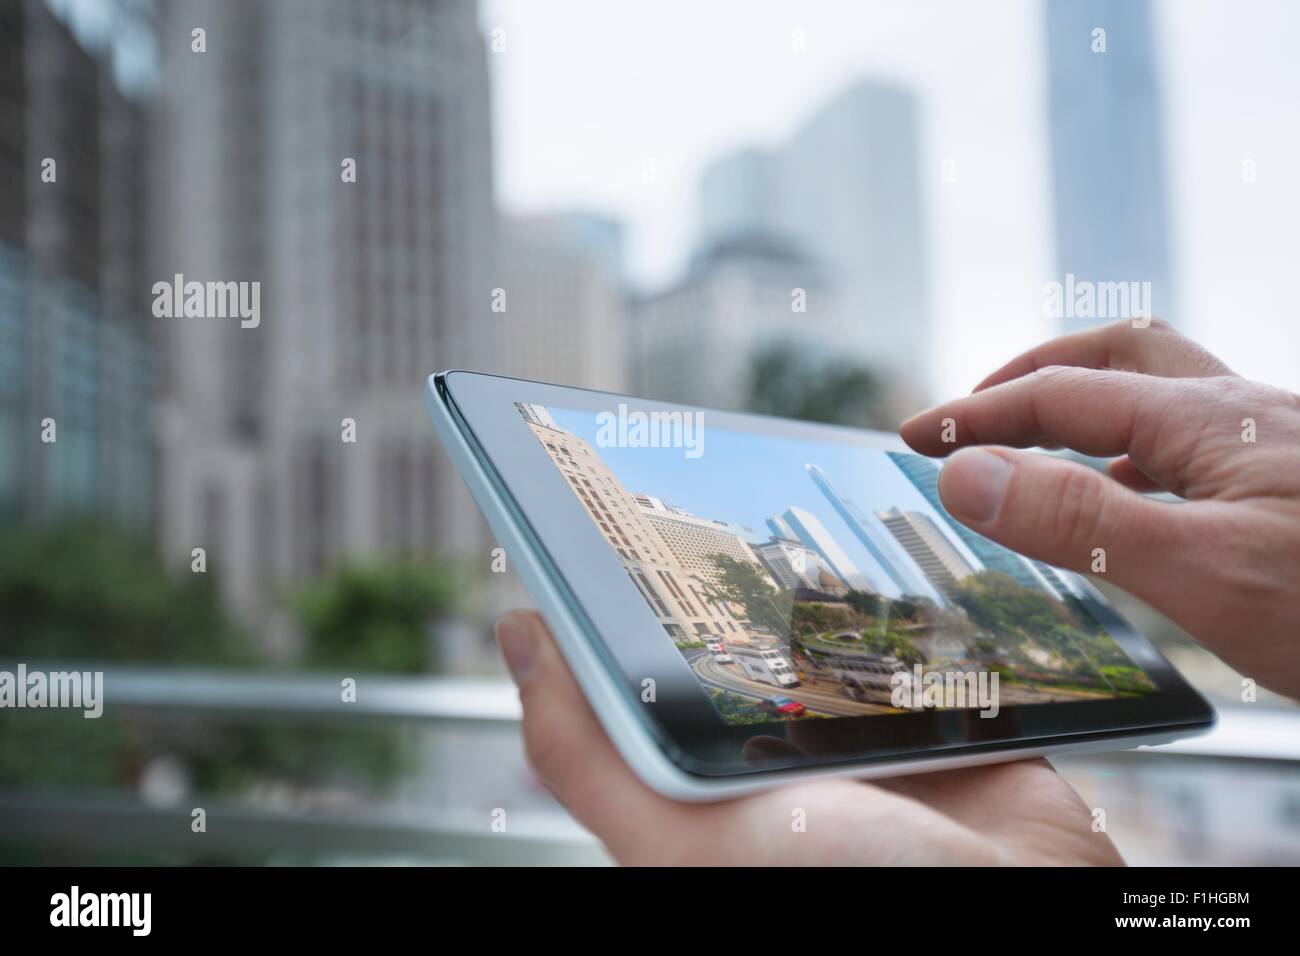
(1062, 512)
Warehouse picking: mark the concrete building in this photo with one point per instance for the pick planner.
(339, 154)
(845, 189)
(563, 322)
(806, 527)
(925, 544)
(77, 347)
(923, 473)
(677, 595)
(695, 342)
(794, 565)
(695, 541)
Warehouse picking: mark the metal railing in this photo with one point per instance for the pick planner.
(75, 823)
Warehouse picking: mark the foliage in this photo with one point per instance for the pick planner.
(812, 618)
(997, 604)
(785, 380)
(891, 642)
(867, 604)
(1012, 616)
(742, 583)
(83, 590)
(736, 709)
(375, 617)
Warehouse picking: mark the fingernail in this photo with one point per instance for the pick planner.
(974, 482)
(518, 647)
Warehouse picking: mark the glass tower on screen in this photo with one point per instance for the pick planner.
(924, 476)
(900, 568)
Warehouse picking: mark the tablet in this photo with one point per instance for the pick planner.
(748, 600)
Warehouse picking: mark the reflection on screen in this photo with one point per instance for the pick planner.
(803, 579)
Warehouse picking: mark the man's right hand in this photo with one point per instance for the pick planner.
(1225, 564)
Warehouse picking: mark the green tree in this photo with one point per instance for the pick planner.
(868, 604)
(996, 603)
(785, 380)
(81, 589)
(898, 645)
(375, 617)
(741, 582)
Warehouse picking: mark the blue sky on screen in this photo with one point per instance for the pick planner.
(746, 477)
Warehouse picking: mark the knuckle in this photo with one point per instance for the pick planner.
(1274, 397)
(1076, 514)
(1245, 397)
(1052, 376)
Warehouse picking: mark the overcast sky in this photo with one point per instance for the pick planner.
(587, 91)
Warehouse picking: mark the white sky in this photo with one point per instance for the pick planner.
(587, 91)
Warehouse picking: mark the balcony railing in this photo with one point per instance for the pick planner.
(80, 825)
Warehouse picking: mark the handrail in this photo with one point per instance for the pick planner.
(1246, 731)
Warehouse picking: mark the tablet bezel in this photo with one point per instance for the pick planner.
(633, 647)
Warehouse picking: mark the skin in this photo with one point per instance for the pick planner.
(1223, 564)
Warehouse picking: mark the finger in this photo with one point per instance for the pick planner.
(971, 795)
(1062, 512)
(573, 756)
(1102, 413)
(567, 747)
(1156, 349)
(1130, 476)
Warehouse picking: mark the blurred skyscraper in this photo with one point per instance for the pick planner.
(1110, 179)
(845, 191)
(76, 346)
(694, 342)
(366, 286)
(562, 284)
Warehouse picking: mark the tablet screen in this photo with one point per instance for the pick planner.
(802, 579)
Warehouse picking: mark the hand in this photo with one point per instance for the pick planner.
(1225, 564)
(1013, 813)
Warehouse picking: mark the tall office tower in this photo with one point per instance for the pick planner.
(846, 190)
(923, 473)
(777, 525)
(76, 338)
(695, 342)
(561, 315)
(904, 574)
(737, 197)
(933, 553)
(337, 152)
(1110, 178)
(676, 594)
(807, 527)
